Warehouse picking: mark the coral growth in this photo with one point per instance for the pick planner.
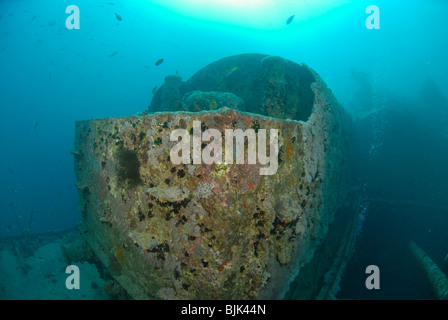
(128, 168)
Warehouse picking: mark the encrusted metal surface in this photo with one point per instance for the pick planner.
(209, 231)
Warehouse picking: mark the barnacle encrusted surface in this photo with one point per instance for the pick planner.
(218, 231)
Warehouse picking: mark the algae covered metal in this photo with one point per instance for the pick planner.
(192, 229)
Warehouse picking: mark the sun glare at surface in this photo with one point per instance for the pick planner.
(257, 14)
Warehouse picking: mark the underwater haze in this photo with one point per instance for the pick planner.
(393, 81)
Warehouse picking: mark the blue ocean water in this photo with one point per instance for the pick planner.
(392, 80)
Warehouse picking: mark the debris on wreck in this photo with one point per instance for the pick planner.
(435, 276)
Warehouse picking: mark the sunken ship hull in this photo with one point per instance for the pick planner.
(221, 230)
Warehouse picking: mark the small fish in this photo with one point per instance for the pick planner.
(34, 17)
(11, 171)
(290, 19)
(35, 125)
(119, 18)
(159, 62)
(446, 258)
(154, 90)
(113, 54)
(230, 71)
